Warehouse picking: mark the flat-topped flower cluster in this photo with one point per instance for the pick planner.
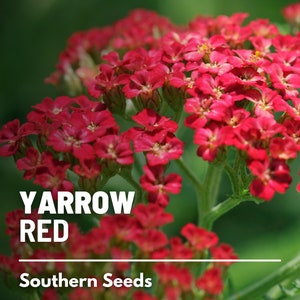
(128, 88)
(237, 84)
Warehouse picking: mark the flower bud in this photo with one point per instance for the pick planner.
(115, 100)
(152, 100)
(174, 97)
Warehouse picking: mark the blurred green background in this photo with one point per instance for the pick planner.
(34, 32)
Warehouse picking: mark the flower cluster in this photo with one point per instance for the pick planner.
(238, 84)
(115, 237)
(130, 89)
(292, 15)
(80, 135)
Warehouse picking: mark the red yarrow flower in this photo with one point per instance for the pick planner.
(211, 281)
(36, 269)
(141, 295)
(72, 139)
(95, 124)
(88, 168)
(199, 238)
(12, 220)
(151, 215)
(54, 108)
(171, 275)
(31, 162)
(180, 250)
(120, 227)
(12, 136)
(149, 240)
(107, 79)
(118, 253)
(209, 141)
(199, 107)
(54, 177)
(223, 251)
(145, 82)
(160, 148)
(81, 293)
(159, 186)
(116, 148)
(218, 64)
(292, 13)
(50, 294)
(286, 82)
(11, 265)
(271, 175)
(96, 240)
(152, 122)
(199, 48)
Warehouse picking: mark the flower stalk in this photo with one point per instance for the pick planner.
(261, 287)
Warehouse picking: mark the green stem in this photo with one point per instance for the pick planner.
(237, 174)
(196, 182)
(211, 188)
(258, 289)
(164, 108)
(128, 177)
(203, 195)
(128, 118)
(138, 164)
(178, 115)
(35, 296)
(219, 210)
(102, 182)
(232, 175)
